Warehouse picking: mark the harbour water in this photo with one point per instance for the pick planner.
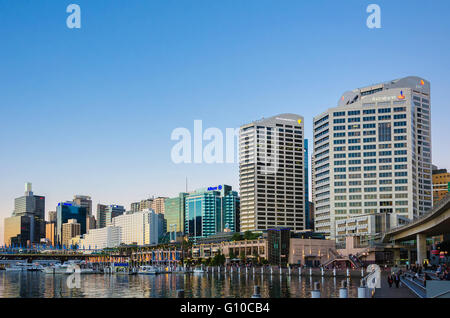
(207, 285)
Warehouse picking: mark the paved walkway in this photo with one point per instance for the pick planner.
(393, 292)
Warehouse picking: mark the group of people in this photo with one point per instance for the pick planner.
(394, 278)
(443, 272)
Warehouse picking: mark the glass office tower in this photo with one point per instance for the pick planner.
(210, 211)
(27, 223)
(66, 211)
(174, 215)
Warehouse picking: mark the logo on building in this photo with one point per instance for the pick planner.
(215, 188)
(401, 96)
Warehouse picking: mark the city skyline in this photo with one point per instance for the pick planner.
(84, 104)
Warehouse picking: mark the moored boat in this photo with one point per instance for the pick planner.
(148, 270)
(19, 267)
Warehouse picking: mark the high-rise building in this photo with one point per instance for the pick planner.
(52, 216)
(145, 204)
(135, 207)
(158, 205)
(65, 212)
(113, 211)
(272, 173)
(70, 230)
(372, 154)
(17, 230)
(441, 184)
(307, 210)
(101, 215)
(174, 215)
(84, 201)
(50, 232)
(90, 223)
(27, 224)
(210, 211)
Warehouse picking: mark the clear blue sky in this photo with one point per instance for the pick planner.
(91, 111)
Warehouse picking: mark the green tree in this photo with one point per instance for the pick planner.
(236, 237)
(219, 259)
(249, 235)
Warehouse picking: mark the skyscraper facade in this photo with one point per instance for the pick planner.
(174, 215)
(50, 232)
(84, 201)
(272, 173)
(210, 211)
(66, 211)
(27, 224)
(372, 154)
(111, 212)
(135, 206)
(307, 210)
(158, 205)
(91, 223)
(17, 230)
(101, 215)
(52, 216)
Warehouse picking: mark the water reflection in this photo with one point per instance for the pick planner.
(36, 284)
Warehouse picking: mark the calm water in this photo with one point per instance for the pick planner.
(37, 284)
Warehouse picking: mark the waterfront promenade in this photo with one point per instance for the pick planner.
(393, 292)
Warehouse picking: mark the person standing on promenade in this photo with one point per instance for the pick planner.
(397, 280)
(390, 280)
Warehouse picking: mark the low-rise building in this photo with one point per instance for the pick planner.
(311, 252)
(106, 237)
(232, 250)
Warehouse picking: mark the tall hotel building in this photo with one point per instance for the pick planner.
(271, 168)
(372, 155)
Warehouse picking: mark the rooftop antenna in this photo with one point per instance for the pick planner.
(186, 185)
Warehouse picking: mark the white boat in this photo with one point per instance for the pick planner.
(87, 271)
(198, 270)
(36, 268)
(59, 269)
(148, 270)
(19, 267)
(68, 268)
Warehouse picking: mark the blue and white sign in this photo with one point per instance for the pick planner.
(215, 188)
